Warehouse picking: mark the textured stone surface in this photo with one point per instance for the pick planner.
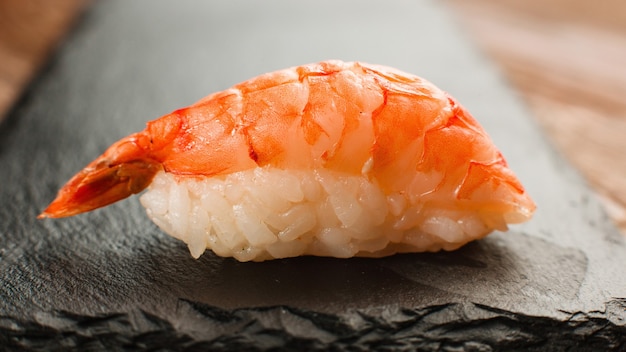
(446, 327)
(111, 280)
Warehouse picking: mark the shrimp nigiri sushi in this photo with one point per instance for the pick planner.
(327, 159)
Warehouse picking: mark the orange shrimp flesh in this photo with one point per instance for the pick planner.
(348, 117)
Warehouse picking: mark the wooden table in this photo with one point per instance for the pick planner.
(29, 33)
(566, 58)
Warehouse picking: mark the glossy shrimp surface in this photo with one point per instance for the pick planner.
(396, 129)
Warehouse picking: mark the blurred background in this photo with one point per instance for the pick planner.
(565, 58)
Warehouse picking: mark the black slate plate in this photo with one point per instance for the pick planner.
(111, 280)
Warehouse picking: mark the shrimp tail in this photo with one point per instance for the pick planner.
(124, 169)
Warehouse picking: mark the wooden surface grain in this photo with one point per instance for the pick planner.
(29, 31)
(565, 57)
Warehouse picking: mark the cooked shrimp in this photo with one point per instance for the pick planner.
(355, 124)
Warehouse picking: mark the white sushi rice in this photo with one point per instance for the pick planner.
(267, 213)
